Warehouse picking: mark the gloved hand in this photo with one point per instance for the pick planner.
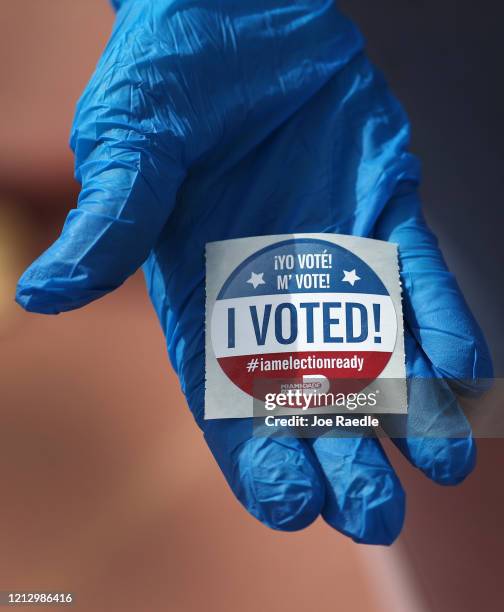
(212, 120)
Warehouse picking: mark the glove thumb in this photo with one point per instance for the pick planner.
(130, 171)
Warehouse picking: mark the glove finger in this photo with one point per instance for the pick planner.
(434, 307)
(275, 478)
(435, 435)
(364, 497)
(129, 170)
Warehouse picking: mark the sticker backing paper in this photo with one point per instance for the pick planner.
(302, 311)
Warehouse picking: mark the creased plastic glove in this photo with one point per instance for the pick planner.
(212, 120)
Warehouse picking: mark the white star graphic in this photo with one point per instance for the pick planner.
(256, 279)
(350, 277)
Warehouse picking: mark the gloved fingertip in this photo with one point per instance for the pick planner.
(455, 463)
(372, 511)
(445, 461)
(462, 357)
(32, 297)
(278, 484)
(364, 497)
(298, 514)
(38, 294)
(474, 387)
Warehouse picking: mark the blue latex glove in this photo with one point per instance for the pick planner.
(209, 120)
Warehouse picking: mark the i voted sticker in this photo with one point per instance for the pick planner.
(322, 309)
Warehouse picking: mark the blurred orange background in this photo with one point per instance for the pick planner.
(108, 488)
